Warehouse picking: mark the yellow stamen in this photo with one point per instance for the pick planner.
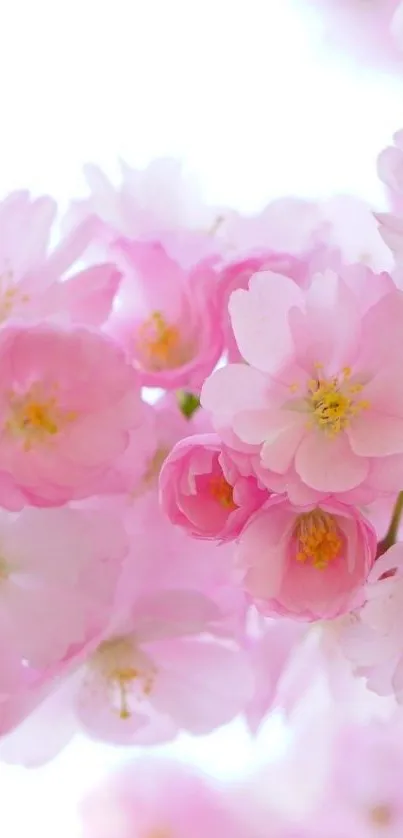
(36, 419)
(123, 665)
(222, 492)
(318, 537)
(333, 401)
(161, 344)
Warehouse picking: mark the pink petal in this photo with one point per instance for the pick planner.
(328, 464)
(201, 685)
(89, 295)
(260, 319)
(232, 389)
(374, 434)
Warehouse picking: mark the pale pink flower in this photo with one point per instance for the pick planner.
(68, 400)
(309, 562)
(319, 394)
(160, 203)
(160, 798)
(58, 574)
(167, 317)
(362, 30)
(341, 230)
(373, 641)
(203, 490)
(31, 286)
(159, 670)
(363, 789)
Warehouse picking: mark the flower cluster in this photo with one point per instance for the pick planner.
(201, 461)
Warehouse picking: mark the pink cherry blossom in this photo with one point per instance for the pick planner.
(30, 274)
(324, 234)
(360, 30)
(160, 203)
(167, 318)
(363, 787)
(320, 392)
(309, 562)
(68, 400)
(59, 570)
(154, 673)
(373, 641)
(203, 490)
(158, 797)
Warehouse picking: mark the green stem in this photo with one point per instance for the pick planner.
(188, 403)
(391, 535)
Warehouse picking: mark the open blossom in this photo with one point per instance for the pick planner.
(363, 789)
(159, 797)
(68, 399)
(204, 491)
(373, 642)
(308, 563)
(33, 285)
(320, 394)
(167, 317)
(152, 674)
(58, 575)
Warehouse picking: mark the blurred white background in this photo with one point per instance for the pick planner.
(243, 91)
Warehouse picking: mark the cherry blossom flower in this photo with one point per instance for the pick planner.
(203, 490)
(308, 563)
(150, 676)
(159, 797)
(167, 318)
(59, 571)
(315, 396)
(68, 401)
(30, 273)
(364, 31)
(373, 640)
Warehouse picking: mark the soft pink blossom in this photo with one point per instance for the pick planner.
(160, 797)
(155, 672)
(361, 30)
(31, 274)
(373, 642)
(161, 202)
(203, 490)
(167, 317)
(68, 399)
(330, 233)
(363, 788)
(320, 393)
(311, 563)
(58, 574)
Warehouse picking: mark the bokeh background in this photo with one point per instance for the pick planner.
(248, 95)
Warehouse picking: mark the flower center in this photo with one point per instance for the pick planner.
(381, 815)
(128, 672)
(161, 344)
(333, 401)
(9, 294)
(222, 492)
(318, 537)
(35, 419)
